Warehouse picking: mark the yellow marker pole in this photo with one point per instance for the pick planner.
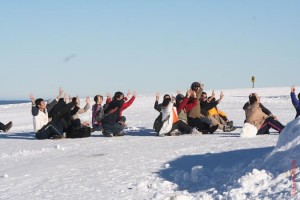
(253, 81)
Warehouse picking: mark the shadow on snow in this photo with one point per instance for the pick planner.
(220, 170)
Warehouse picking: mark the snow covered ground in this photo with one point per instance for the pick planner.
(143, 166)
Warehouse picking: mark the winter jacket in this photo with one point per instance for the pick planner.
(157, 106)
(167, 118)
(125, 105)
(206, 106)
(112, 112)
(40, 118)
(95, 110)
(196, 110)
(296, 103)
(184, 107)
(255, 115)
(75, 115)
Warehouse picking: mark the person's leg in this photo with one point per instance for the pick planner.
(184, 128)
(275, 124)
(111, 130)
(270, 122)
(216, 122)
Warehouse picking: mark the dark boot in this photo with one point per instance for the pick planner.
(7, 126)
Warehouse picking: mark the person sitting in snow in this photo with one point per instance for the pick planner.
(5, 127)
(96, 108)
(169, 118)
(112, 123)
(127, 103)
(76, 110)
(211, 103)
(195, 118)
(295, 100)
(260, 117)
(183, 106)
(40, 110)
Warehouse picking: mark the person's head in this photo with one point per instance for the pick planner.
(195, 86)
(76, 100)
(118, 96)
(40, 103)
(166, 102)
(253, 98)
(203, 97)
(167, 96)
(98, 99)
(179, 98)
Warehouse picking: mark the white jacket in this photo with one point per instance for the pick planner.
(40, 120)
(167, 118)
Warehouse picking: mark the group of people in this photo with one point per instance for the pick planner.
(190, 113)
(59, 118)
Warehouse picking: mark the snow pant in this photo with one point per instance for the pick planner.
(270, 122)
(200, 123)
(217, 120)
(48, 131)
(97, 127)
(112, 129)
(182, 127)
(1, 126)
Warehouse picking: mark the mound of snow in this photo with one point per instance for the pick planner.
(248, 131)
(286, 150)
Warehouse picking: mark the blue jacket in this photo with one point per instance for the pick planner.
(296, 103)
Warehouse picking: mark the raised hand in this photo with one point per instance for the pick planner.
(88, 100)
(189, 93)
(134, 93)
(128, 93)
(213, 94)
(157, 96)
(293, 89)
(108, 95)
(32, 98)
(221, 95)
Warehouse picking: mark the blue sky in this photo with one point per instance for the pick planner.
(91, 47)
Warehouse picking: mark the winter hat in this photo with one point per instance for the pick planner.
(179, 97)
(195, 84)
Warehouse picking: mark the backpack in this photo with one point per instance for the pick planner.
(100, 116)
(79, 132)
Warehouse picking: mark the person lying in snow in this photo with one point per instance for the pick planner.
(40, 110)
(210, 103)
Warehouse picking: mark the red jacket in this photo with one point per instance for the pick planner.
(186, 104)
(125, 105)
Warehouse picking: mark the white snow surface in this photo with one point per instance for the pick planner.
(141, 165)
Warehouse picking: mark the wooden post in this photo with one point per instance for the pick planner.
(253, 81)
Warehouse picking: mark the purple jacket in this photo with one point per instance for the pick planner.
(296, 103)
